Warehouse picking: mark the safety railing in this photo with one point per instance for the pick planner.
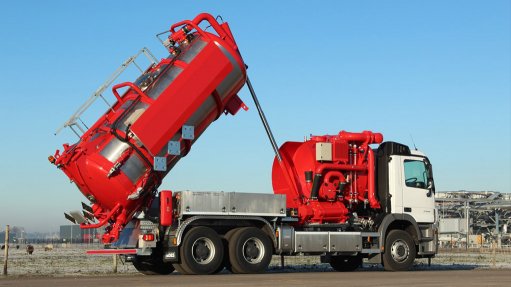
(75, 122)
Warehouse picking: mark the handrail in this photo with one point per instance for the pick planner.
(133, 87)
(99, 92)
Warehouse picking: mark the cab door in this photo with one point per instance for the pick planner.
(417, 189)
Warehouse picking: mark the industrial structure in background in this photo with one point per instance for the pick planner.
(72, 233)
(474, 219)
(17, 235)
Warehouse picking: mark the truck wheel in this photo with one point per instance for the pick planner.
(225, 240)
(399, 251)
(345, 263)
(202, 251)
(152, 266)
(250, 251)
(179, 268)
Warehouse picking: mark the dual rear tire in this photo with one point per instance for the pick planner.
(250, 251)
(246, 250)
(201, 252)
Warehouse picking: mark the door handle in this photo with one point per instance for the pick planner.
(408, 209)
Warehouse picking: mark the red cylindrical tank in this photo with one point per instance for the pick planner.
(166, 210)
(327, 177)
(120, 161)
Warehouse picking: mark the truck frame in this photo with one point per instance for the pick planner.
(241, 231)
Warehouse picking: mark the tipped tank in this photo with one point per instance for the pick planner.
(120, 161)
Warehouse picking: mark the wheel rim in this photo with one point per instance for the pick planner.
(253, 250)
(399, 251)
(203, 250)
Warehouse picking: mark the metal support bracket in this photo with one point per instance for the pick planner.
(160, 163)
(174, 148)
(188, 132)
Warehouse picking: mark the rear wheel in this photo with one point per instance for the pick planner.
(345, 263)
(179, 268)
(153, 265)
(225, 240)
(399, 251)
(202, 251)
(250, 251)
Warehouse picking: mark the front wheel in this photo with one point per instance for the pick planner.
(399, 251)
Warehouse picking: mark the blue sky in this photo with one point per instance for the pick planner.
(436, 70)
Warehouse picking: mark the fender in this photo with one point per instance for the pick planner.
(393, 217)
(181, 229)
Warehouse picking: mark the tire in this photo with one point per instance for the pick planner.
(399, 252)
(179, 268)
(225, 240)
(250, 251)
(153, 265)
(202, 251)
(345, 263)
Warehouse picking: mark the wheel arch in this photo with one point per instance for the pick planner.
(403, 222)
(239, 221)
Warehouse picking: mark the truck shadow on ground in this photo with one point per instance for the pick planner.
(379, 268)
(376, 268)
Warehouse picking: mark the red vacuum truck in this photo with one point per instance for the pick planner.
(346, 197)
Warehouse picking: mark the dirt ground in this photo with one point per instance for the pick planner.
(72, 261)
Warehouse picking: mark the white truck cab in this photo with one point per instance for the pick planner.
(411, 186)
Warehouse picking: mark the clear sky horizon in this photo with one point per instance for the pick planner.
(437, 71)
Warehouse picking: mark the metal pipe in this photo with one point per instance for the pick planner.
(371, 189)
(355, 195)
(263, 119)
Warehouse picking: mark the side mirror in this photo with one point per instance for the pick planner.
(431, 188)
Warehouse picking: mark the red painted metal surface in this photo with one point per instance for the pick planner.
(175, 106)
(345, 182)
(111, 251)
(113, 162)
(166, 208)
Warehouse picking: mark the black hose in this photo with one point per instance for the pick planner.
(315, 186)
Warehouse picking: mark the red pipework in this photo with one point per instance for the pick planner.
(333, 158)
(332, 166)
(195, 24)
(371, 190)
(366, 137)
(103, 221)
(329, 174)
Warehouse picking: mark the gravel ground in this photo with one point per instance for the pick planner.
(72, 261)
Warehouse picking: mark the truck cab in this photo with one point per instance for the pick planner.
(406, 191)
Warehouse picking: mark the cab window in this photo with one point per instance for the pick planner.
(415, 174)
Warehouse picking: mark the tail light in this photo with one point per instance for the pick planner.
(148, 237)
